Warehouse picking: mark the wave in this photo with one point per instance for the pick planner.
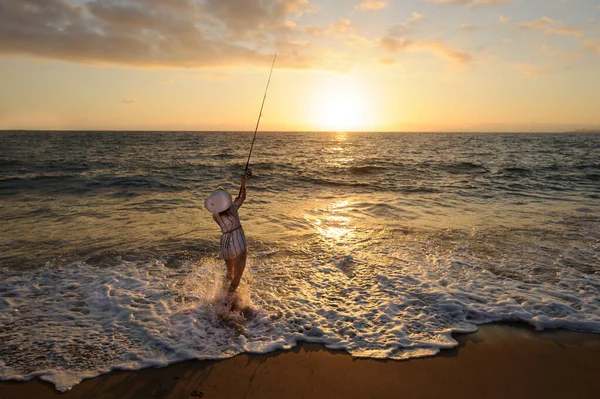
(141, 181)
(465, 167)
(224, 155)
(134, 313)
(333, 183)
(10, 162)
(365, 170)
(516, 170)
(420, 190)
(593, 176)
(588, 166)
(76, 183)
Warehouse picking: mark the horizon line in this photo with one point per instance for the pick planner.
(592, 131)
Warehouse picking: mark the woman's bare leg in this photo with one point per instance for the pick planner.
(239, 264)
(229, 263)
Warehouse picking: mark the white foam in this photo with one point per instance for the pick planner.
(81, 321)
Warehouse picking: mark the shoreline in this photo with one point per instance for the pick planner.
(498, 361)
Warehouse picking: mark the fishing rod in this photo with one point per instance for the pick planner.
(260, 114)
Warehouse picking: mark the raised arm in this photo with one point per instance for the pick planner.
(242, 196)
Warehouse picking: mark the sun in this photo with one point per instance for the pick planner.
(339, 112)
(340, 105)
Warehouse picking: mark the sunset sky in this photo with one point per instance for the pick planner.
(404, 65)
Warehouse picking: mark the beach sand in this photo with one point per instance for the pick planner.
(499, 361)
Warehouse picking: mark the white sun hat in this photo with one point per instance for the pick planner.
(218, 201)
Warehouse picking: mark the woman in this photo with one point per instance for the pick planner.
(233, 240)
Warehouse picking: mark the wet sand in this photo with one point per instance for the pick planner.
(499, 361)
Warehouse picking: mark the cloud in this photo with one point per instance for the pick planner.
(341, 26)
(437, 48)
(504, 20)
(387, 61)
(289, 24)
(301, 7)
(404, 28)
(467, 27)
(530, 70)
(317, 30)
(415, 17)
(240, 17)
(550, 27)
(355, 40)
(371, 5)
(561, 55)
(299, 54)
(396, 41)
(128, 101)
(592, 45)
(151, 33)
(470, 3)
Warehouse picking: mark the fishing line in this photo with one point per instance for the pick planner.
(259, 115)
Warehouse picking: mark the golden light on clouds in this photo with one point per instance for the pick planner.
(416, 65)
(549, 26)
(371, 5)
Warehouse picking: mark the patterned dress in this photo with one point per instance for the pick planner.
(233, 240)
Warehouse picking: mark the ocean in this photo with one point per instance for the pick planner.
(379, 244)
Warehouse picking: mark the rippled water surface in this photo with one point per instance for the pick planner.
(380, 244)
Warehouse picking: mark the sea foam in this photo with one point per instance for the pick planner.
(64, 325)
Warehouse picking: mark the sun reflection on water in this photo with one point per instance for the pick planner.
(333, 225)
(339, 154)
(341, 137)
